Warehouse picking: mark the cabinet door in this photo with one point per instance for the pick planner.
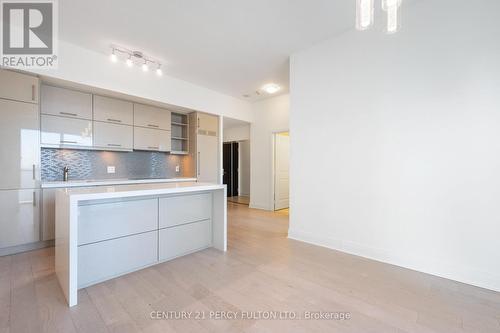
(184, 209)
(48, 213)
(19, 147)
(151, 139)
(109, 220)
(112, 136)
(66, 132)
(207, 159)
(151, 117)
(184, 239)
(105, 260)
(19, 87)
(66, 103)
(113, 110)
(208, 124)
(20, 218)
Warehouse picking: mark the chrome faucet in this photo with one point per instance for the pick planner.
(65, 173)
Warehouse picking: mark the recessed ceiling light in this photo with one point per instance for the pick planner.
(271, 88)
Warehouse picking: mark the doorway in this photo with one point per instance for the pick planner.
(231, 168)
(281, 170)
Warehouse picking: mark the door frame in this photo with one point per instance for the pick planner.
(273, 166)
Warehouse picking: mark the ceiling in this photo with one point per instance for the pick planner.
(230, 46)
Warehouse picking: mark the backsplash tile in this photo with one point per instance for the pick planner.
(92, 164)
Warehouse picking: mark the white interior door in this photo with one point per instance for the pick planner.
(281, 170)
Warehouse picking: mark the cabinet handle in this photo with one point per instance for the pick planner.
(114, 145)
(199, 163)
(66, 141)
(34, 199)
(155, 126)
(115, 120)
(34, 172)
(68, 114)
(156, 148)
(33, 92)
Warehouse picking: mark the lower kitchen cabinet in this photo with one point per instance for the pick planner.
(20, 217)
(48, 213)
(104, 260)
(183, 239)
(184, 209)
(108, 220)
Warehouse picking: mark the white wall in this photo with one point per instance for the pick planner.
(94, 69)
(270, 115)
(244, 168)
(238, 133)
(403, 132)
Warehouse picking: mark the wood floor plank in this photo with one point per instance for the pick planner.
(85, 316)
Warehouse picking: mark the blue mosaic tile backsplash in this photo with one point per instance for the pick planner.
(92, 164)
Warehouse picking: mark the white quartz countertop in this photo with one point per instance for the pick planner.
(84, 183)
(122, 191)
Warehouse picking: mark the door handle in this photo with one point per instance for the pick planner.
(33, 92)
(34, 199)
(34, 172)
(199, 163)
(68, 114)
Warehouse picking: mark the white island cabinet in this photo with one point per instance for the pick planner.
(105, 232)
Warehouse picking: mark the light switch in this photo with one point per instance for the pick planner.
(111, 169)
(177, 168)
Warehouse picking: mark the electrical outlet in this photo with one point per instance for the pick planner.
(177, 168)
(111, 169)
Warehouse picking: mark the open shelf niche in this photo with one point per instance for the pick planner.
(180, 137)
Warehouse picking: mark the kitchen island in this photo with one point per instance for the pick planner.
(104, 232)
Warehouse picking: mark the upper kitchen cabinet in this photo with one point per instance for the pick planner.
(18, 87)
(19, 151)
(60, 132)
(207, 124)
(113, 110)
(66, 103)
(151, 117)
(109, 136)
(151, 139)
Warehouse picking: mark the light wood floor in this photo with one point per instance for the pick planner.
(262, 271)
(244, 200)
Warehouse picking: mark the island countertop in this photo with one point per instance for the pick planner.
(134, 190)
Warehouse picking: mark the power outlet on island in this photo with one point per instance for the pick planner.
(111, 169)
(177, 168)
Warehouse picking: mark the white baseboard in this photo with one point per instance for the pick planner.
(259, 206)
(467, 275)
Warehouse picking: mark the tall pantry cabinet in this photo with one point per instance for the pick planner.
(19, 161)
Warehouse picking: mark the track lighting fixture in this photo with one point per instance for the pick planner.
(365, 13)
(135, 58)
